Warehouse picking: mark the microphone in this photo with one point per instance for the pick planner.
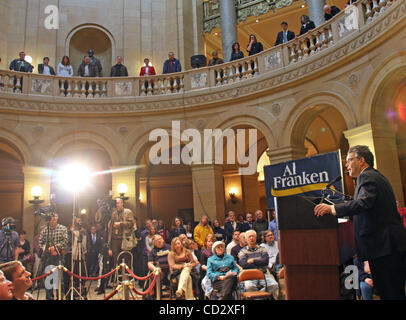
(336, 179)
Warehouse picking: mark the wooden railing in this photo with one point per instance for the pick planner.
(277, 58)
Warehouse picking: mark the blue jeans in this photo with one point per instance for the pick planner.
(366, 290)
(255, 285)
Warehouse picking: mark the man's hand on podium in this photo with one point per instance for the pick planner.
(322, 209)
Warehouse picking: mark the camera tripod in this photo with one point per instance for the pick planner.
(7, 245)
(78, 258)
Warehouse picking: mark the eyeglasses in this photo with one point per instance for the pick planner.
(351, 159)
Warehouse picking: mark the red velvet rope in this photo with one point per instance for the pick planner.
(44, 275)
(149, 288)
(90, 278)
(111, 294)
(137, 277)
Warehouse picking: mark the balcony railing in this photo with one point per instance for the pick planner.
(274, 61)
(245, 9)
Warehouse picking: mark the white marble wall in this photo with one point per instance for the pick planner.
(139, 29)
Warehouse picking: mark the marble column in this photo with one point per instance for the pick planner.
(316, 11)
(286, 153)
(208, 192)
(228, 15)
(381, 140)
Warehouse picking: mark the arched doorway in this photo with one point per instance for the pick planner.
(11, 182)
(81, 40)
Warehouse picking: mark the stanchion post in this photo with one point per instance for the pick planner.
(126, 295)
(158, 282)
(59, 281)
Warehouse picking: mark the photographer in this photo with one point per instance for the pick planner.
(9, 241)
(53, 241)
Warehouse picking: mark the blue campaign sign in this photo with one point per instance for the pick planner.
(307, 176)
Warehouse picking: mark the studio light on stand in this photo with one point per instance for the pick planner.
(74, 178)
(122, 189)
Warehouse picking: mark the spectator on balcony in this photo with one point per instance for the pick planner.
(254, 46)
(147, 69)
(172, 64)
(307, 24)
(45, 68)
(20, 64)
(285, 35)
(215, 59)
(96, 62)
(119, 70)
(87, 69)
(236, 53)
(64, 68)
(330, 12)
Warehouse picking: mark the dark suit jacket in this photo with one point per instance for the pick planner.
(176, 67)
(228, 229)
(245, 226)
(279, 38)
(334, 11)
(308, 26)
(41, 69)
(93, 71)
(94, 248)
(378, 229)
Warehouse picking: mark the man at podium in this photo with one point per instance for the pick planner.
(380, 236)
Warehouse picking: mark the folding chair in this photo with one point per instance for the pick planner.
(253, 274)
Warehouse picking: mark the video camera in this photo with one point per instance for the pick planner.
(8, 224)
(46, 212)
(106, 207)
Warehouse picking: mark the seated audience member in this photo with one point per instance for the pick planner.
(236, 52)
(366, 284)
(25, 256)
(230, 226)
(206, 254)
(260, 224)
(402, 212)
(330, 12)
(215, 59)
(176, 229)
(45, 68)
(162, 230)
(158, 257)
(5, 288)
(254, 46)
(202, 230)
(254, 256)
(285, 35)
(189, 230)
(148, 239)
(172, 64)
(222, 271)
(181, 264)
(307, 24)
(20, 279)
(64, 68)
(184, 239)
(240, 219)
(236, 250)
(194, 249)
(272, 224)
(219, 232)
(247, 225)
(271, 246)
(119, 70)
(235, 241)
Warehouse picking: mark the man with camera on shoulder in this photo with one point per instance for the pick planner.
(53, 241)
(9, 241)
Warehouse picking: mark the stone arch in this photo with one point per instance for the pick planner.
(391, 66)
(99, 31)
(304, 112)
(243, 117)
(19, 144)
(91, 138)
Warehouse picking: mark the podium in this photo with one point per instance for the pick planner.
(309, 249)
